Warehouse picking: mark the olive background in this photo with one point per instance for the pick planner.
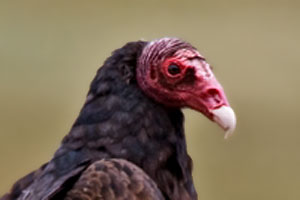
(50, 51)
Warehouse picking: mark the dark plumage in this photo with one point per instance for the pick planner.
(113, 179)
(126, 142)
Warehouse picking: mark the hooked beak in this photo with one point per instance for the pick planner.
(225, 118)
(209, 98)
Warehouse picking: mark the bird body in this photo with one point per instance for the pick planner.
(127, 142)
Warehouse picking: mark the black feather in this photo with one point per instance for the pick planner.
(118, 121)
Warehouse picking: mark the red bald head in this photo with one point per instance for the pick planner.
(175, 74)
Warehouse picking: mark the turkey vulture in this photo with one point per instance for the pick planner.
(128, 141)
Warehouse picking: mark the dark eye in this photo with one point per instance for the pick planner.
(174, 69)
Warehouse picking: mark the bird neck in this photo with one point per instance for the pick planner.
(119, 120)
(127, 124)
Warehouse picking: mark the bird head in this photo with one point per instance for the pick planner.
(175, 74)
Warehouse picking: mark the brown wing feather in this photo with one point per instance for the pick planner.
(114, 179)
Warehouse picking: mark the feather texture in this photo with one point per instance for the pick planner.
(117, 121)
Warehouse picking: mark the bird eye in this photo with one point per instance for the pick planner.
(174, 69)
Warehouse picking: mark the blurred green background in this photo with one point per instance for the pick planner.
(50, 51)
